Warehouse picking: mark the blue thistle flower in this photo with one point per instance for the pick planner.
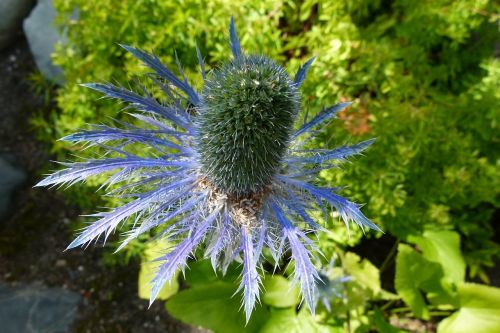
(221, 167)
(330, 288)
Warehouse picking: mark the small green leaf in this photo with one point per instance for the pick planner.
(146, 274)
(479, 311)
(279, 292)
(148, 269)
(306, 9)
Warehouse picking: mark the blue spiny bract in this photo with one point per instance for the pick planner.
(223, 170)
(249, 107)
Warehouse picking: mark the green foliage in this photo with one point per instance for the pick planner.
(415, 275)
(426, 85)
(279, 293)
(363, 272)
(92, 53)
(423, 77)
(287, 320)
(212, 306)
(443, 247)
(360, 292)
(424, 80)
(479, 311)
(210, 302)
(428, 274)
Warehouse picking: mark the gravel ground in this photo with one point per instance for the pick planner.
(37, 228)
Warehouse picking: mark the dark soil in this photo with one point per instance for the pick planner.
(382, 253)
(37, 229)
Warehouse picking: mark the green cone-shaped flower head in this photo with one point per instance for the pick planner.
(249, 106)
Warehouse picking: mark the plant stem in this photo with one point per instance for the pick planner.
(390, 256)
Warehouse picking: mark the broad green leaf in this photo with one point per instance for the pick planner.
(479, 311)
(362, 271)
(201, 272)
(474, 295)
(214, 306)
(468, 320)
(415, 274)
(279, 292)
(443, 247)
(287, 320)
(148, 270)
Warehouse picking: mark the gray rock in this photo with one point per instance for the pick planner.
(36, 309)
(42, 36)
(10, 178)
(12, 13)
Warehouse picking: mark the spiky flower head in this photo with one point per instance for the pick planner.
(222, 169)
(330, 288)
(249, 107)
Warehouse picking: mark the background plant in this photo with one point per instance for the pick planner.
(424, 79)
